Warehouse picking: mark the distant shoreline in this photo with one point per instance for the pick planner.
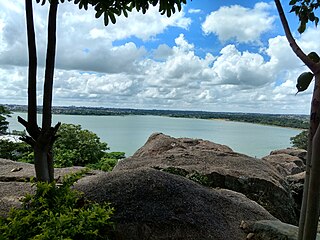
(281, 120)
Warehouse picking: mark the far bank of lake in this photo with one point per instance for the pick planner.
(129, 133)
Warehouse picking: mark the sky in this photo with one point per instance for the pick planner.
(219, 56)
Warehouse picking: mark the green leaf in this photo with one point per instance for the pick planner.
(98, 13)
(106, 19)
(302, 27)
(316, 21)
(125, 13)
(304, 81)
(112, 17)
(292, 2)
(314, 57)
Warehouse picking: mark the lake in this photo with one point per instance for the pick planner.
(129, 133)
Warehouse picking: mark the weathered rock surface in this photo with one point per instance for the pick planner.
(12, 171)
(272, 230)
(290, 163)
(216, 165)
(300, 153)
(152, 204)
(285, 164)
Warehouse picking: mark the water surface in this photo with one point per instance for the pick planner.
(129, 133)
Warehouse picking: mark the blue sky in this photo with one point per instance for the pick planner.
(213, 55)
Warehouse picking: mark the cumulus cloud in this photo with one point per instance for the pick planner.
(100, 66)
(239, 23)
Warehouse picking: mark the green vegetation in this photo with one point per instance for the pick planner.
(16, 151)
(74, 147)
(300, 140)
(4, 113)
(58, 212)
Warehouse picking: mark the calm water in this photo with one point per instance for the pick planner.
(129, 133)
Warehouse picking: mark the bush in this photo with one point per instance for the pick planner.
(300, 140)
(58, 213)
(17, 151)
(75, 146)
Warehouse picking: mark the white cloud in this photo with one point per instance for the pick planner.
(192, 10)
(239, 23)
(94, 68)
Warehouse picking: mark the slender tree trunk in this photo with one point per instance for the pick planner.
(50, 63)
(313, 193)
(48, 133)
(310, 204)
(32, 73)
(42, 139)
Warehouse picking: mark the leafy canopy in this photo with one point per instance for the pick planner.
(305, 10)
(112, 8)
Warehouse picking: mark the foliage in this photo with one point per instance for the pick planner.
(76, 146)
(305, 10)
(113, 8)
(4, 113)
(58, 212)
(300, 140)
(17, 151)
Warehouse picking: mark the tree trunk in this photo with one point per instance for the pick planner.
(47, 136)
(313, 193)
(32, 127)
(41, 140)
(308, 219)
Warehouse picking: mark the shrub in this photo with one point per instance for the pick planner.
(300, 140)
(58, 212)
(17, 151)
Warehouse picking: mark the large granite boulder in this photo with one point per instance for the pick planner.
(154, 205)
(216, 165)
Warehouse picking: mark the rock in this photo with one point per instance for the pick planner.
(296, 182)
(217, 165)
(10, 194)
(296, 152)
(273, 230)
(285, 164)
(154, 205)
(14, 184)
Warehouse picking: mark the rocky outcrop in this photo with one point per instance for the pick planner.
(217, 166)
(296, 152)
(229, 191)
(290, 163)
(152, 204)
(285, 164)
(271, 230)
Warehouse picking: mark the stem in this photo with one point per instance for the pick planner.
(313, 193)
(294, 46)
(32, 126)
(49, 72)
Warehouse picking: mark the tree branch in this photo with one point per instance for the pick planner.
(50, 60)
(32, 72)
(294, 46)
